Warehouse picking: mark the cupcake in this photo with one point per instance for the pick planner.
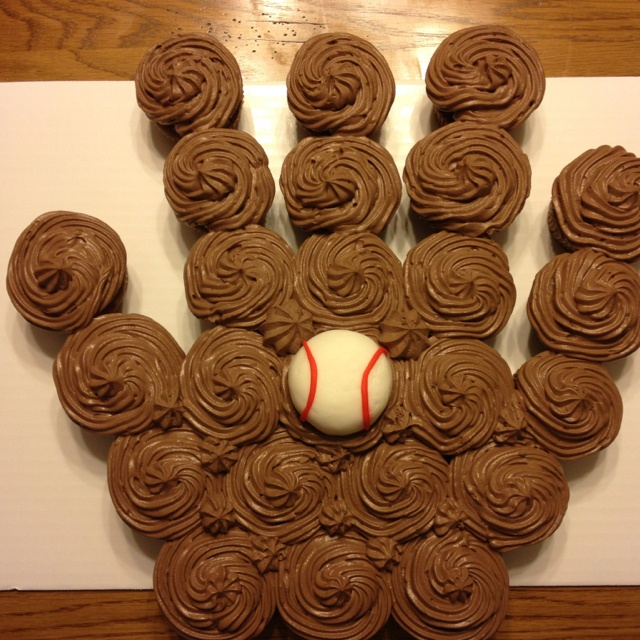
(340, 183)
(469, 178)
(572, 408)
(461, 287)
(595, 203)
(218, 179)
(486, 74)
(189, 83)
(65, 269)
(586, 305)
(340, 83)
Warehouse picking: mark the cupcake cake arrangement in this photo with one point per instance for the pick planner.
(341, 444)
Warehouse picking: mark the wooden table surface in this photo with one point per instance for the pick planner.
(93, 40)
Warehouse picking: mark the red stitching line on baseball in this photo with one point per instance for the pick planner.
(364, 388)
(313, 383)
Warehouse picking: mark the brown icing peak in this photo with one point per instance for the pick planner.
(218, 179)
(469, 178)
(286, 326)
(231, 386)
(119, 375)
(596, 203)
(340, 83)
(460, 286)
(485, 74)
(65, 269)
(189, 83)
(519, 492)
(340, 183)
(234, 278)
(573, 408)
(586, 305)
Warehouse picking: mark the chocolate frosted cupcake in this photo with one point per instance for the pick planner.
(340, 183)
(235, 278)
(330, 589)
(573, 408)
(469, 178)
(519, 492)
(216, 588)
(456, 393)
(157, 481)
(120, 375)
(218, 179)
(451, 587)
(460, 286)
(65, 269)
(231, 386)
(596, 203)
(348, 281)
(340, 83)
(586, 305)
(485, 74)
(189, 83)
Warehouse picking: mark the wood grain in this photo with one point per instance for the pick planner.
(96, 40)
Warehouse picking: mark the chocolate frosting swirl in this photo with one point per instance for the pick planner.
(120, 375)
(573, 408)
(394, 490)
(211, 588)
(218, 179)
(404, 333)
(340, 83)
(457, 390)
(156, 481)
(286, 326)
(328, 588)
(230, 385)
(65, 269)
(188, 83)
(450, 588)
(595, 203)
(485, 74)
(340, 183)
(460, 286)
(235, 278)
(518, 491)
(586, 305)
(469, 178)
(278, 487)
(348, 281)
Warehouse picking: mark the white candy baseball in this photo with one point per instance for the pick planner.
(340, 381)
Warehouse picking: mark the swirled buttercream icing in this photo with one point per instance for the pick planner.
(586, 305)
(470, 178)
(519, 492)
(329, 588)
(450, 588)
(404, 333)
(572, 408)
(157, 482)
(65, 269)
(595, 203)
(340, 183)
(189, 82)
(460, 286)
(394, 490)
(218, 179)
(234, 278)
(340, 83)
(485, 74)
(231, 386)
(348, 281)
(213, 588)
(120, 375)
(286, 326)
(456, 392)
(277, 489)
